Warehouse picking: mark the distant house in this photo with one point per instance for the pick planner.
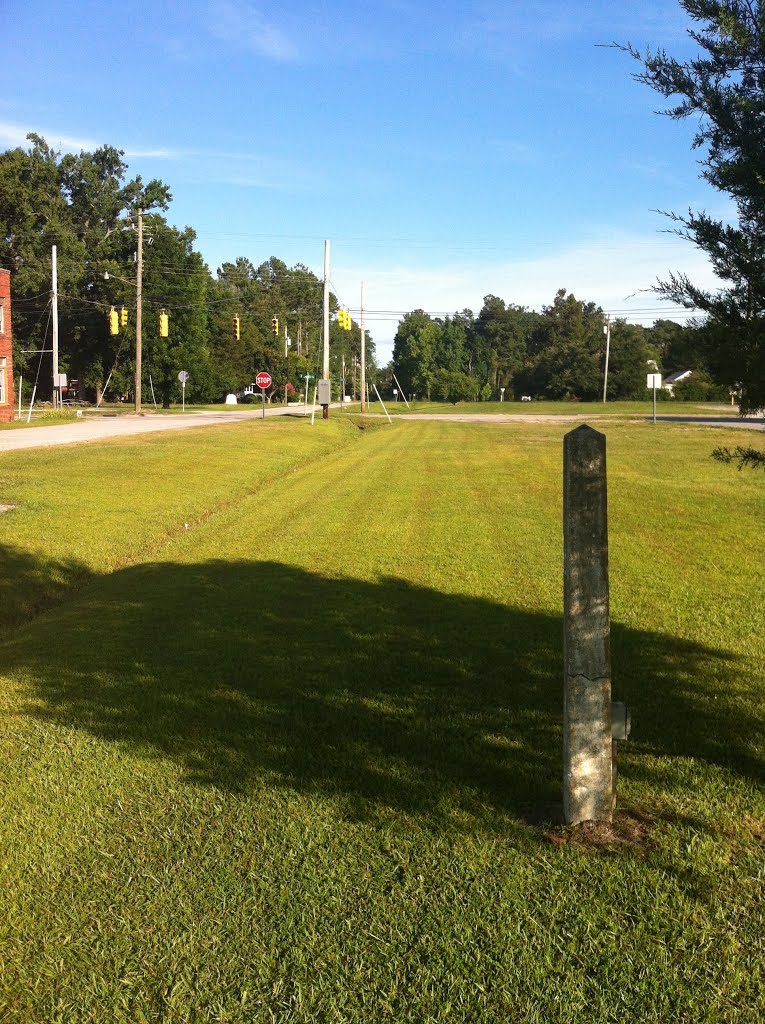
(675, 378)
(6, 353)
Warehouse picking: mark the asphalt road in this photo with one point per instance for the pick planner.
(95, 428)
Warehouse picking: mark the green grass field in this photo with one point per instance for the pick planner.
(612, 410)
(282, 738)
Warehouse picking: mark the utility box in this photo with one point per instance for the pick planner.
(325, 392)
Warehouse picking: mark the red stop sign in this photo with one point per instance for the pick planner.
(263, 380)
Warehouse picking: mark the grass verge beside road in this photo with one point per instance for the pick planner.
(582, 410)
(286, 764)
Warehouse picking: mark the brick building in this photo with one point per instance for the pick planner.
(6, 356)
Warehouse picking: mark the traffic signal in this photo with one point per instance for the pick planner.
(114, 324)
(344, 319)
(274, 326)
(164, 324)
(237, 332)
(123, 317)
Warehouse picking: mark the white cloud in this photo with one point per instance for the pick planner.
(13, 135)
(240, 169)
(616, 271)
(244, 25)
(157, 154)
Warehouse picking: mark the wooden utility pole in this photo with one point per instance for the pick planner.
(138, 311)
(54, 296)
(325, 367)
(363, 355)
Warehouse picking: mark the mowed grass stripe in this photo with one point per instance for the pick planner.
(430, 502)
(85, 510)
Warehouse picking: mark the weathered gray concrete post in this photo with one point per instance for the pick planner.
(587, 769)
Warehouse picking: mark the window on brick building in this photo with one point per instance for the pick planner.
(2, 317)
(3, 371)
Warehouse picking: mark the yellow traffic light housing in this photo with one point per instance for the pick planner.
(275, 326)
(164, 324)
(237, 331)
(123, 317)
(114, 325)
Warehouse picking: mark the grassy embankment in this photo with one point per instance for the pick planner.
(285, 764)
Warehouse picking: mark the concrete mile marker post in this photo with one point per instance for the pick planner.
(588, 790)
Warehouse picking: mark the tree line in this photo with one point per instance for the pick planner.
(222, 326)
(510, 351)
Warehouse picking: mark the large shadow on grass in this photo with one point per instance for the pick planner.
(30, 584)
(385, 696)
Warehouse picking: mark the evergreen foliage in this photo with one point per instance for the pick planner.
(723, 89)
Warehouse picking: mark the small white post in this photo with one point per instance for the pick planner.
(183, 387)
(305, 403)
(31, 404)
(313, 412)
(21, 384)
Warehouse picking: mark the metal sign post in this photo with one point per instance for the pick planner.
(653, 380)
(263, 380)
(183, 376)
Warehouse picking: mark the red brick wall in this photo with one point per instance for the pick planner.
(6, 407)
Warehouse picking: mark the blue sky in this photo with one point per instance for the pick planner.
(447, 151)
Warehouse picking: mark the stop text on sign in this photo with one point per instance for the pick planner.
(263, 380)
